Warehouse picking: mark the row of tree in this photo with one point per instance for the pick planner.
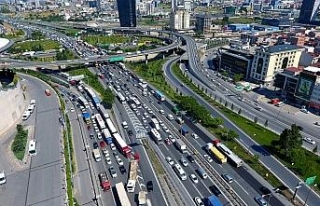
(37, 35)
(65, 54)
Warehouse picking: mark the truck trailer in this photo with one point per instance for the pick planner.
(181, 146)
(213, 201)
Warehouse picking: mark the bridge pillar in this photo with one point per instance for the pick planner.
(146, 58)
(163, 56)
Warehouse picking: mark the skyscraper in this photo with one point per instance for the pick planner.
(127, 13)
(308, 11)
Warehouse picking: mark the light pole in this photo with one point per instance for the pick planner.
(299, 184)
(305, 202)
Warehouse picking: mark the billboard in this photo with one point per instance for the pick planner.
(305, 86)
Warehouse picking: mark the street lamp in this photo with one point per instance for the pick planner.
(299, 184)
(305, 202)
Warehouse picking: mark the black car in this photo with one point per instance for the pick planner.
(215, 190)
(95, 145)
(190, 158)
(130, 132)
(150, 186)
(265, 190)
(122, 169)
(91, 136)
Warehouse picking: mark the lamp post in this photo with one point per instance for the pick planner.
(299, 184)
(305, 202)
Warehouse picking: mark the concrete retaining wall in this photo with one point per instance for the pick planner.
(12, 106)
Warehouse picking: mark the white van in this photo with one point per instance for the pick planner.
(125, 125)
(26, 115)
(33, 102)
(31, 108)
(170, 117)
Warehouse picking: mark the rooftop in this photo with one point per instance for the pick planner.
(281, 48)
(312, 69)
(294, 69)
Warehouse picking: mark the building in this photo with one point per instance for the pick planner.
(180, 19)
(282, 22)
(287, 82)
(308, 11)
(236, 59)
(275, 4)
(127, 13)
(187, 5)
(270, 60)
(308, 58)
(239, 27)
(259, 27)
(203, 23)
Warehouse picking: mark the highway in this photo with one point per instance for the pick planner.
(285, 175)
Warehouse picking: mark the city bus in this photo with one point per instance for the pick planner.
(100, 122)
(131, 185)
(232, 158)
(32, 147)
(122, 195)
(180, 171)
(83, 101)
(159, 96)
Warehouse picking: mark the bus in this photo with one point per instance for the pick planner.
(155, 123)
(155, 135)
(100, 122)
(104, 113)
(159, 96)
(122, 145)
(121, 97)
(111, 126)
(83, 101)
(180, 172)
(218, 155)
(131, 185)
(122, 195)
(32, 147)
(232, 158)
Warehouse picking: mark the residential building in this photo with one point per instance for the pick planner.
(187, 5)
(308, 58)
(308, 11)
(270, 60)
(180, 19)
(203, 23)
(127, 13)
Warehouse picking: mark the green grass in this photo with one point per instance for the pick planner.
(101, 39)
(30, 45)
(154, 159)
(18, 146)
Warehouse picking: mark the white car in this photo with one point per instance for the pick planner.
(120, 162)
(194, 135)
(71, 109)
(167, 130)
(209, 159)
(108, 160)
(184, 162)
(198, 201)
(172, 138)
(170, 161)
(113, 147)
(194, 178)
(304, 111)
(309, 140)
(99, 136)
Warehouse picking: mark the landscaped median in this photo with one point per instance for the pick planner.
(19, 144)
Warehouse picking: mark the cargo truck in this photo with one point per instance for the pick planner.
(86, 117)
(142, 198)
(181, 146)
(213, 201)
(104, 181)
(184, 130)
(216, 153)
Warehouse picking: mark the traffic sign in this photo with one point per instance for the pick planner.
(310, 180)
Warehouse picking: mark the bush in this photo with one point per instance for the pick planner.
(18, 146)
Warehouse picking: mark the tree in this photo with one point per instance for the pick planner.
(232, 107)
(266, 123)
(225, 20)
(237, 77)
(290, 139)
(232, 135)
(255, 120)
(239, 112)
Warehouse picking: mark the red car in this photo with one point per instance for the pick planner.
(103, 144)
(167, 141)
(47, 91)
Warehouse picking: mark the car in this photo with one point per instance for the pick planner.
(261, 201)
(103, 144)
(161, 123)
(106, 154)
(108, 160)
(304, 111)
(161, 111)
(184, 162)
(170, 136)
(190, 158)
(258, 108)
(265, 190)
(170, 161)
(120, 162)
(116, 155)
(194, 135)
(150, 186)
(207, 157)
(164, 127)
(122, 169)
(198, 201)
(112, 147)
(99, 136)
(309, 140)
(227, 178)
(72, 109)
(167, 131)
(194, 178)
(167, 141)
(113, 172)
(146, 115)
(91, 136)
(317, 123)
(130, 133)
(95, 145)
(215, 190)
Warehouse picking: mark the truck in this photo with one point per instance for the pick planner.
(3, 179)
(104, 181)
(184, 130)
(155, 123)
(213, 201)
(216, 153)
(107, 136)
(142, 198)
(181, 146)
(86, 117)
(97, 155)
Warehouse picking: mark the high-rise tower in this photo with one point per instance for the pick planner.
(308, 11)
(127, 13)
